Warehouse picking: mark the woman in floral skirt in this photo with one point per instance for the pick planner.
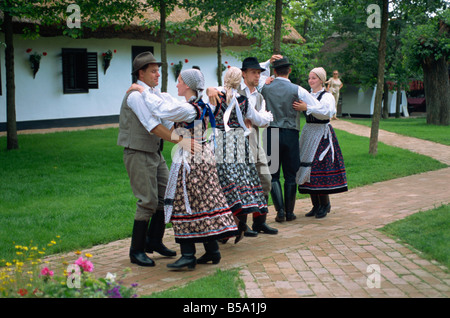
(236, 167)
(194, 201)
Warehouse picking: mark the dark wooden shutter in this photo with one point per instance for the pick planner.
(80, 71)
(92, 70)
(74, 71)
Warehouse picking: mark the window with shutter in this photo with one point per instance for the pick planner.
(92, 70)
(80, 71)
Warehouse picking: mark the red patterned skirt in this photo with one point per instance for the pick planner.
(327, 175)
(208, 216)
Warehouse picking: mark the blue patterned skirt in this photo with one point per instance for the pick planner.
(238, 176)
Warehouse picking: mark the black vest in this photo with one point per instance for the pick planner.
(313, 120)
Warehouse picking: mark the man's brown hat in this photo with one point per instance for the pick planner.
(143, 59)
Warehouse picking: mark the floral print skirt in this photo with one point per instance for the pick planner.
(239, 177)
(208, 216)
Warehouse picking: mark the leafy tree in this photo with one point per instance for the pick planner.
(427, 47)
(95, 14)
(165, 8)
(261, 24)
(373, 144)
(11, 9)
(219, 13)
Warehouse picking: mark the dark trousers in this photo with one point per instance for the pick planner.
(283, 152)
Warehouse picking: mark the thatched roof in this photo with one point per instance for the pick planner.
(201, 38)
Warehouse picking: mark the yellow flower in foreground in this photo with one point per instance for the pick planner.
(88, 255)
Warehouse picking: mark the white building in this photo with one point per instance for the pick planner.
(58, 97)
(359, 102)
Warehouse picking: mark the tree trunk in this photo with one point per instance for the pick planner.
(437, 91)
(398, 101)
(373, 144)
(385, 101)
(11, 125)
(163, 34)
(277, 27)
(219, 54)
(305, 27)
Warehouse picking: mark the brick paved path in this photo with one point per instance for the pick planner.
(329, 257)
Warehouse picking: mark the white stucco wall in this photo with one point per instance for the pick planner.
(43, 98)
(360, 101)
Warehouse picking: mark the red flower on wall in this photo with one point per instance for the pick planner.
(186, 61)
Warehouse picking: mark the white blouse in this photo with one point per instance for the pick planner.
(166, 107)
(261, 118)
(326, 107)
(137, 104)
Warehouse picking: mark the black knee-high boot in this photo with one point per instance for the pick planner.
(242, 227)
(137, 249)
(155, 235)
(315, 202)
(212, 253)
(187, 258)
(290, 195)
(260, 225)
(277, 199)
(325, 206)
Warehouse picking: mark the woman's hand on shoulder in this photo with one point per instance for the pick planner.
(136, 87)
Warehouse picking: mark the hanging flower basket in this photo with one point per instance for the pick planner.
(177, 69)
(107, 57)
(35, 61)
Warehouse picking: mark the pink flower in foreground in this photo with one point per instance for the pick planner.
(46, 272)
(86, 265)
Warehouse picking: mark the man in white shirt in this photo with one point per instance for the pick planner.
(283, 135)
(253, 77)
(141, 134)
(251, 74)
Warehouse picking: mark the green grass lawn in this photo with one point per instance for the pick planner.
(223, 284)
(74, 184)
(412, 126)
(427, 231)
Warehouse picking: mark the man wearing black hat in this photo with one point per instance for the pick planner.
(251, 73)
(279, 97)
(140, 134)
